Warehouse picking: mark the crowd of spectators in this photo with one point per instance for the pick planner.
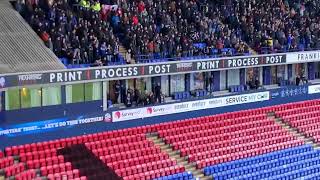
(76, 33)
(91, 31)
(136, 97)
(276, 25)
(169, 28)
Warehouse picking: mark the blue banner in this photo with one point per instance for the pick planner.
(50, 125)
(289, 91)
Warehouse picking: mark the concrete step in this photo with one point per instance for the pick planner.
(294, 131)
(123, 51)
(180, 160)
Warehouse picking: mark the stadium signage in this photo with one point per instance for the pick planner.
(140, 113)
(52, 124)
(302, 57)
(26, 79)
(234, 62)
(314, 89)
(156, 69)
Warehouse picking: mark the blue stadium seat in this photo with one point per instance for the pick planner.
(175, 96)
(179, 176)
(259, 159)
(268, 165)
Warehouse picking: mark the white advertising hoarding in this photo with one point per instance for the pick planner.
(314, 89)
(182, 107)
(303, 57)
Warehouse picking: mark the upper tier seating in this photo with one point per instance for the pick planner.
(148, 29)
(165, 29)
(275, 26)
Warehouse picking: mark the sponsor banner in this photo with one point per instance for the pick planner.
(314, 89)
(158, 110)
(138, 70)
(239, 62)
(303, 57)
(128, 114)
(182, 107)
(50, 125)
(290, 91)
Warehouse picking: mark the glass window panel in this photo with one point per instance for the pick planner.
(74, 93)
(93, 91)
(30, 97)
(177, 83)
(51, 96)
(12, 99)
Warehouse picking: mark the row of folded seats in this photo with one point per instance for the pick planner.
(230, 139)
(300, 162)
(187, 95)
(218, 139)
(128, 152)
(12, 169)
(139, 158)
(239, 88)
(225, 140)
(304, 117)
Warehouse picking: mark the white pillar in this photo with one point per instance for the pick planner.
(105, 90)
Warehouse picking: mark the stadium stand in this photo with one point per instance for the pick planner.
(93, 32)
(291, 26)
(277, 142)
(150, 30)
(241, 145)
(117, 150)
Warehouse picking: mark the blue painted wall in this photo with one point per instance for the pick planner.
(49, 112)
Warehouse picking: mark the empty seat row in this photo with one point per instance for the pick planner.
(196, 140)
(41, 146)
(137, 169)
(128, 154)
(37, 163)
(123, 147)
(304, 117)
(294, 170)
(115, 141)
(38, 155)
(153, 174)
(291, 153)
(179, 176)
(26, 175)
(136, 161)
(246, 154)
(227, 126)
(56, 168)
(7, 161)
(223, 144)
(254, 145)
(14, 169)
(71, 174)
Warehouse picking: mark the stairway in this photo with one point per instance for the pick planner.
(293, 130)
(175, 155)
(88, 164)
(123, 51)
